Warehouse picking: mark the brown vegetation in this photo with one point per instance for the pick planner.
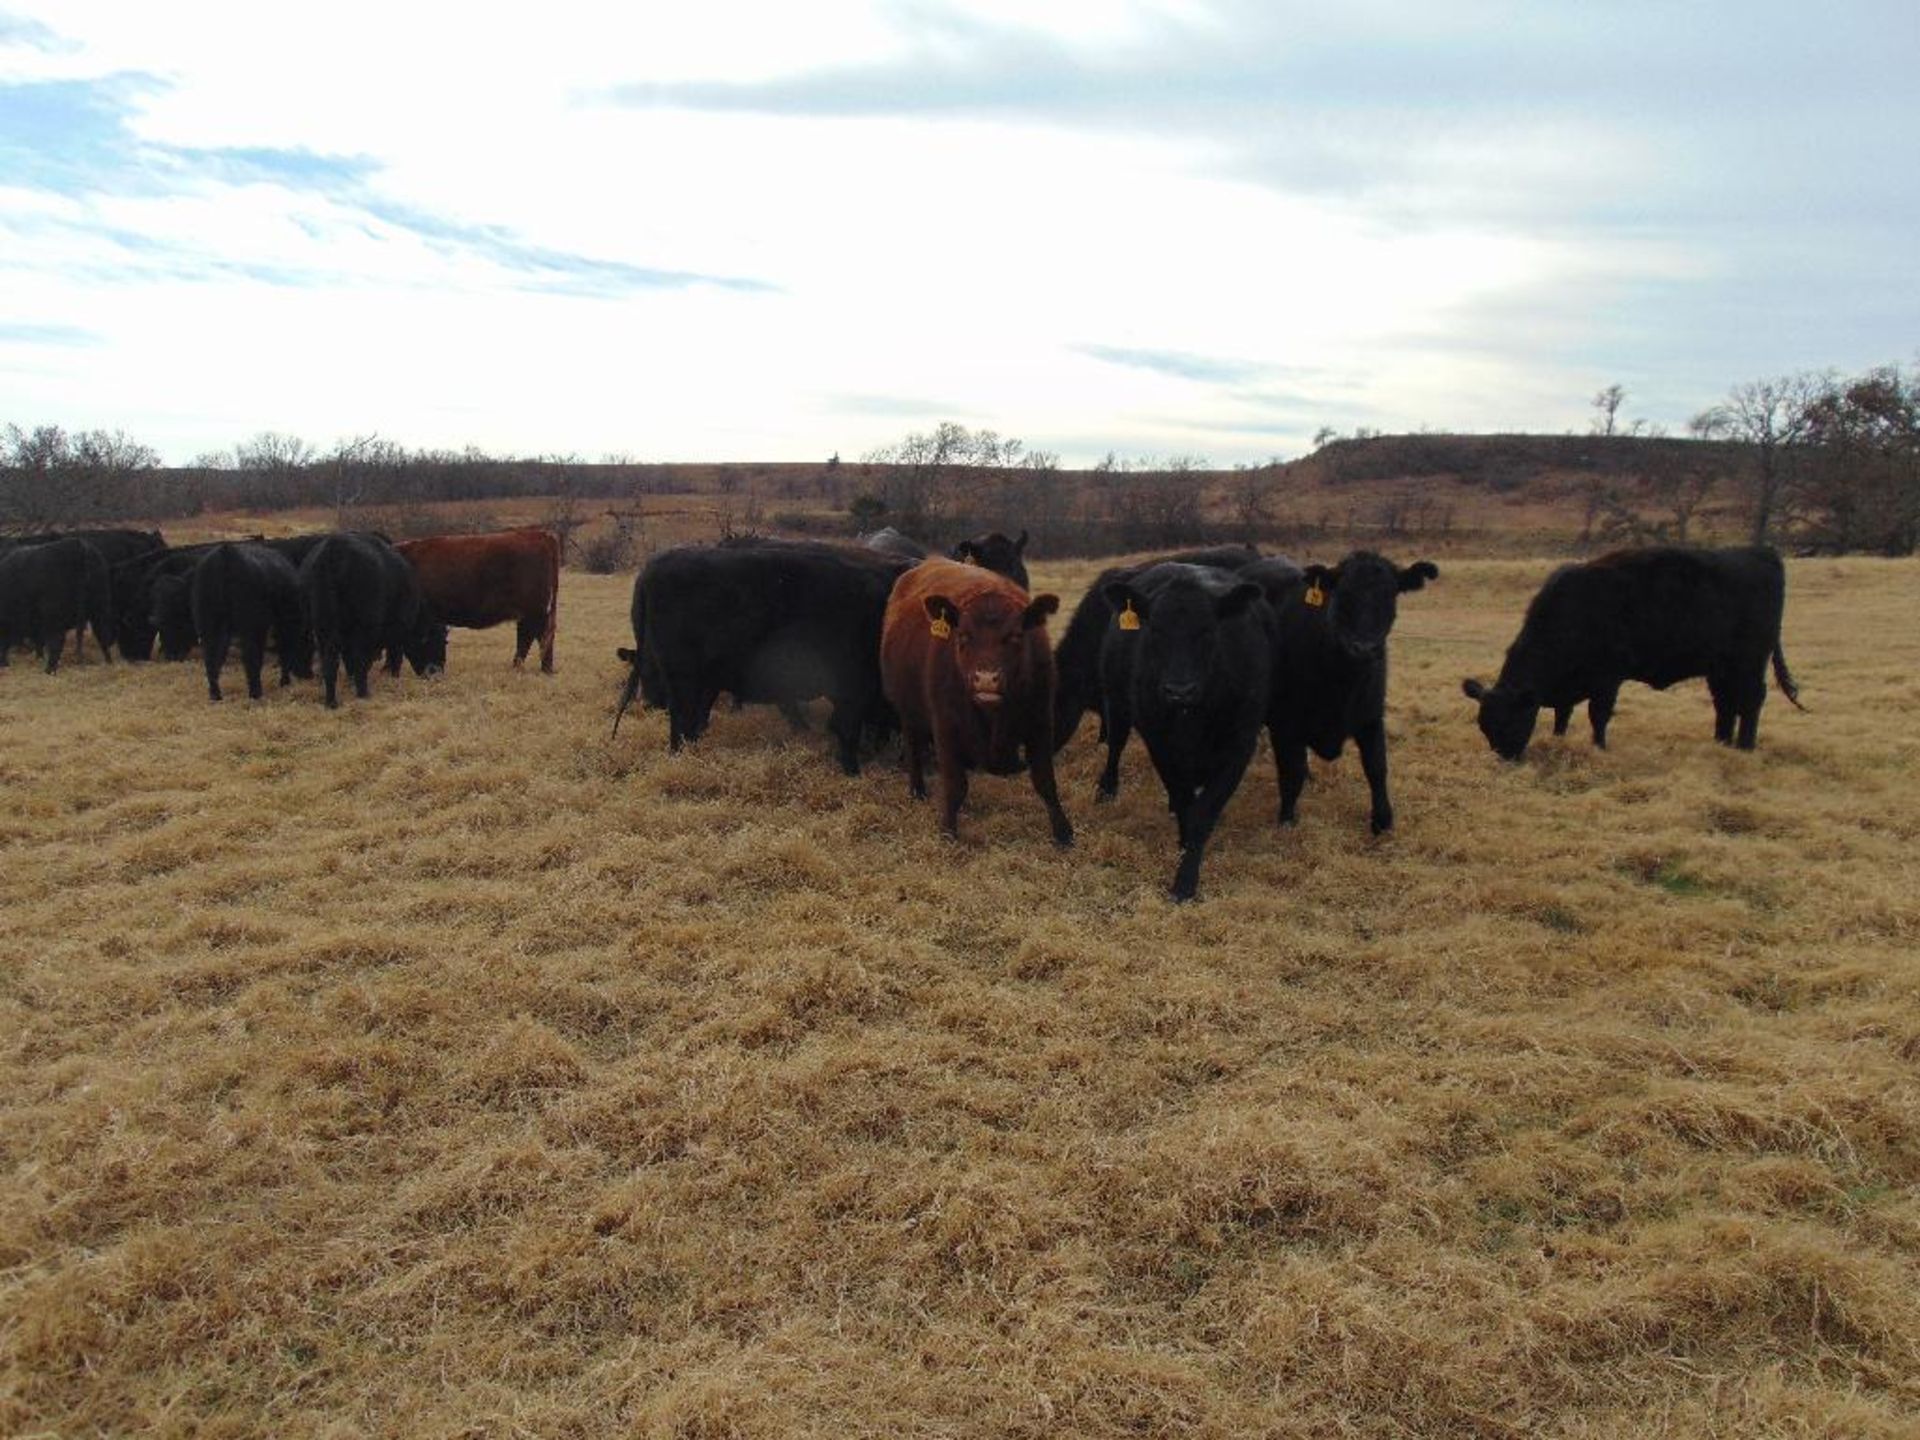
(439, 1067)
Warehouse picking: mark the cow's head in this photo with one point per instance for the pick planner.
(1507, 716)
(170, 613)
(989, 641)
(1361, 597)
(426, 646)
(1179, 628)
(995, 552)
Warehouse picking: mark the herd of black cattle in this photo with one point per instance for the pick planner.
(1197, 651)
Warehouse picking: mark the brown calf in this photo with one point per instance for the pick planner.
(964, 659)
(476, 581)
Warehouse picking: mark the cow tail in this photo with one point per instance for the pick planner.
(631, 689)
(323, 610)
(1784, 678)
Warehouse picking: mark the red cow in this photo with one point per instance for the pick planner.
(480, 580)
(964, 658)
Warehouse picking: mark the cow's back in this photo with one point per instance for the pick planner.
(476, 581)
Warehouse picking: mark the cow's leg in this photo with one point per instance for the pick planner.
(253, 655)
(794, 712)
(1747, 701)
(844, 725)
(953, 784)
(525, 633)
(360, 658)
(1179, 802)
(213, 653)
(1372, 741)
(1562, 717)
(1600, 712)
(1040, 768)
(55, 644)
(918, 743)
(1724, 710)
(1115, 729)
(1203, 814)
(1290, 766)
(330, 672)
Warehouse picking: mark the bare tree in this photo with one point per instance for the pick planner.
(1772, 417)
(1606, 406)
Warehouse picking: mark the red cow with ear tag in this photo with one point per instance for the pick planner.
(965, 660)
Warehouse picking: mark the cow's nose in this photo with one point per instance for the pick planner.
(1180, 692)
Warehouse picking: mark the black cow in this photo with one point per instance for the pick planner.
(1659, 616)
(1077, 658)
(114, 545)
(776, 622)
(1189, 660)
(997, 553)
(360, 596)
(889, 541)
(242, 591)
(49, 588)
(1330, 667)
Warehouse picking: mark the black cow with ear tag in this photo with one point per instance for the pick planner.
(1330, 670)
(1188, 661)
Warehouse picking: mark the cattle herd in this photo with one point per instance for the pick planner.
(1197, 651)
(344, 597)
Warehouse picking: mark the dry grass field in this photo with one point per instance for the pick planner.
(440, 1067)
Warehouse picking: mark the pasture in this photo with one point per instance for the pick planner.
(440, 1067)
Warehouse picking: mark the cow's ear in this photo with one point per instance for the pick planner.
(1123, 600)
(940, 608)
(1020, 545)
(626, 653)
(1418, 573)
(1236, 600)
(1473, 688)
(1038, 609)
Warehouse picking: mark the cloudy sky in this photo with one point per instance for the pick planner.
(779, 230)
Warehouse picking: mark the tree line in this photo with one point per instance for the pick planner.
(1825, 462)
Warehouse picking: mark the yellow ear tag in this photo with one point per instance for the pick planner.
(940, 628)
(1126, 619)
(1315, 596)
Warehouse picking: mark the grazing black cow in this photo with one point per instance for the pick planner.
(1330, 667)
(776, 622)
(242, 591)
(1188, 660)
(116, 547)
(1659, 616)
(1077, 659)
(889, 541)
(995, 552)
(50, 588)
(360, 596)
